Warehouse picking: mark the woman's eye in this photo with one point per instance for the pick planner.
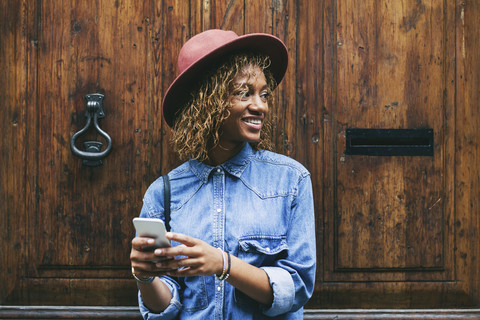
(242, 94)
(265, 95)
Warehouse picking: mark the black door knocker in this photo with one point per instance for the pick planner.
(92, 156)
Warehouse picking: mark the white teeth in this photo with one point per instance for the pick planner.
(253, 121)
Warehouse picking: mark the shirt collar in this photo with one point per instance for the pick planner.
(234, 166)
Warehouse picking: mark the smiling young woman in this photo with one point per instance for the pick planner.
(242, 217)
(246, 114)
(197, 133)
(249, 107)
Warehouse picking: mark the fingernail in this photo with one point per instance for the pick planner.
(150, 241)
(158, 251)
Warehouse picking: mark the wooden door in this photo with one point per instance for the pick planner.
(393, 226)
(69, 225)
(397, 235)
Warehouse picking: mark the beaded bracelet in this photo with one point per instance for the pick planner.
(224, 266)
(226, 270)
(226, 274)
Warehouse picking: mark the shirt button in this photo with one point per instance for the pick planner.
(219, 170)
(219, 210)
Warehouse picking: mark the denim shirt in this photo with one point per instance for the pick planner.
(259, 207)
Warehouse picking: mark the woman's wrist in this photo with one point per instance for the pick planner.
(225, 269)
(226, 263)
(226, 272)
(146, 280)
(223, 266)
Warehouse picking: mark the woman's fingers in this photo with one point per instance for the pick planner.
(150, 270)
(143, 256)
(190, 247)
(182, 238)
(139, 243)
(201, 259)
(191, 257)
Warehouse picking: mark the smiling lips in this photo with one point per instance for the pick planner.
(253, 122)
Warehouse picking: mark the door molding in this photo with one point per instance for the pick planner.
(69, 312)
(411, 314)
(127, 312)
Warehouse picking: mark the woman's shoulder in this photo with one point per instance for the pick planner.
(277, 161)
(271, 174)
(175, 174)
(183, 184)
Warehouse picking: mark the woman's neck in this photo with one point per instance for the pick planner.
(220, 154)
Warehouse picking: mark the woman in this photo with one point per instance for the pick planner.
(242, 218)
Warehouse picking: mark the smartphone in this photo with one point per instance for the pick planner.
(152, 228)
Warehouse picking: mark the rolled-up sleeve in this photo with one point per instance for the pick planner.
(283, 291)
(173, 308)
(293, 278)
(153, 207)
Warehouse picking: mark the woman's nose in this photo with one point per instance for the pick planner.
(258, 104)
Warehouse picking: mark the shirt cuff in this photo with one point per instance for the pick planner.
(171, 311)
(283, 291)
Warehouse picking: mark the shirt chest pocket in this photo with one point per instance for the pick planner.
(262, 250)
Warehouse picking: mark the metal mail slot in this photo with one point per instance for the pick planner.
(389, 142)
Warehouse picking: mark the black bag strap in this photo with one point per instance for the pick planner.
(166, 200)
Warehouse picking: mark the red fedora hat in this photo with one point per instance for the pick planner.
(202, 51)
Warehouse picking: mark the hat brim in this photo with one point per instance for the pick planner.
(177, 94)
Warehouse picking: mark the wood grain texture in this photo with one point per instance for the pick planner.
(14, 98)
(467, 155)
(390, 213)
(389, 221)
(392, 232)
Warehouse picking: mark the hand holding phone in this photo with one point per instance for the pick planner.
(152, 228)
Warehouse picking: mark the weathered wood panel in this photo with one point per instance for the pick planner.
(309, 85)
(467, 150)
(170, 24)
(389, 210)
(13, 96)
(81, 216)
(388, 220)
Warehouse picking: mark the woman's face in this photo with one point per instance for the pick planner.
(249, 108)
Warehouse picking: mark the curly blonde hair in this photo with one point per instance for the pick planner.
(197, 129)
